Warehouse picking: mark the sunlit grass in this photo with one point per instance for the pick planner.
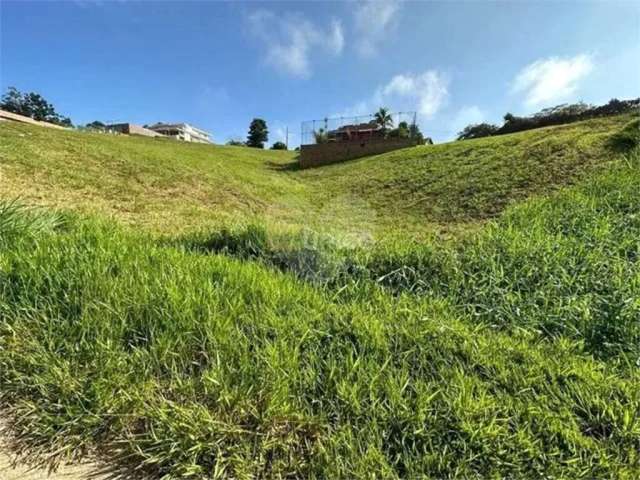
(173, 187)
(247, 354)
(288, 323)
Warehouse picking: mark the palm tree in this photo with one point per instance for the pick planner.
(383, 118)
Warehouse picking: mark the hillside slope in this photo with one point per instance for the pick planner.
(169, 187)
(254, 352)
(475, 179)
(509, 354)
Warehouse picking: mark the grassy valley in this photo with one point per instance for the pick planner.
(222, 327)
(169, 187)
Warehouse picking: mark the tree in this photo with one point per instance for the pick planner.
(96, 125)
(279, 146)
(477, 130)
(12, 101)
(416, 134)
(32, 105)
(383, 118)
(320, 135)
(258, 133)
(64, 122)
(509, 117)
(402, 131)
(234, 142)
(558, 115)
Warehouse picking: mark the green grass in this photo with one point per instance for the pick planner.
(259, 352)
(174, 187)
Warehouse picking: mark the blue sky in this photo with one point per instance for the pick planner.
(218, 65)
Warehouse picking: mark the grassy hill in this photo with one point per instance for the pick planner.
(169, 187)
(260, 352)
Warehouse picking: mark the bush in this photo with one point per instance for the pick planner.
(558, 115)
(279, 146)
(477, 130)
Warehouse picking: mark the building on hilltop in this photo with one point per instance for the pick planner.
(331, 140)
(182, 131)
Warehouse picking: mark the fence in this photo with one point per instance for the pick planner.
(361, 127)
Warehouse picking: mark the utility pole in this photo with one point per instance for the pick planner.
(287, 137)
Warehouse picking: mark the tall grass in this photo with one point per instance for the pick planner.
(17, 220)
(564, 265)
(511, 354)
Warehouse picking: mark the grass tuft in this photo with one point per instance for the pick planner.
(17, 220)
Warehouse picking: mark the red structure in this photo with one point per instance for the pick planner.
(361, 131)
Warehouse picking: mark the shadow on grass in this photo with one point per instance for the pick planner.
(285, 167)
(626, 139)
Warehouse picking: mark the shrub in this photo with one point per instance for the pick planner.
(279, 146)
(558, 115)
(477, 130)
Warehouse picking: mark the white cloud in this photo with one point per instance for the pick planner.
(279, 134)
(336, 37)
(551, 79)
(425, 93)
(373, 20)
(289, 40)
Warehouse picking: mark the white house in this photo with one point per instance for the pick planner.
(182, 131)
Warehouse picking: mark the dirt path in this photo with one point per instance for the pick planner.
(8, 471)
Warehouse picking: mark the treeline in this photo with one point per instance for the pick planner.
(558, 115)
(32, 105)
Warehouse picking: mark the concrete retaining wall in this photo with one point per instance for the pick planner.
(333, 152)
(14, 117)
(132, 129)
